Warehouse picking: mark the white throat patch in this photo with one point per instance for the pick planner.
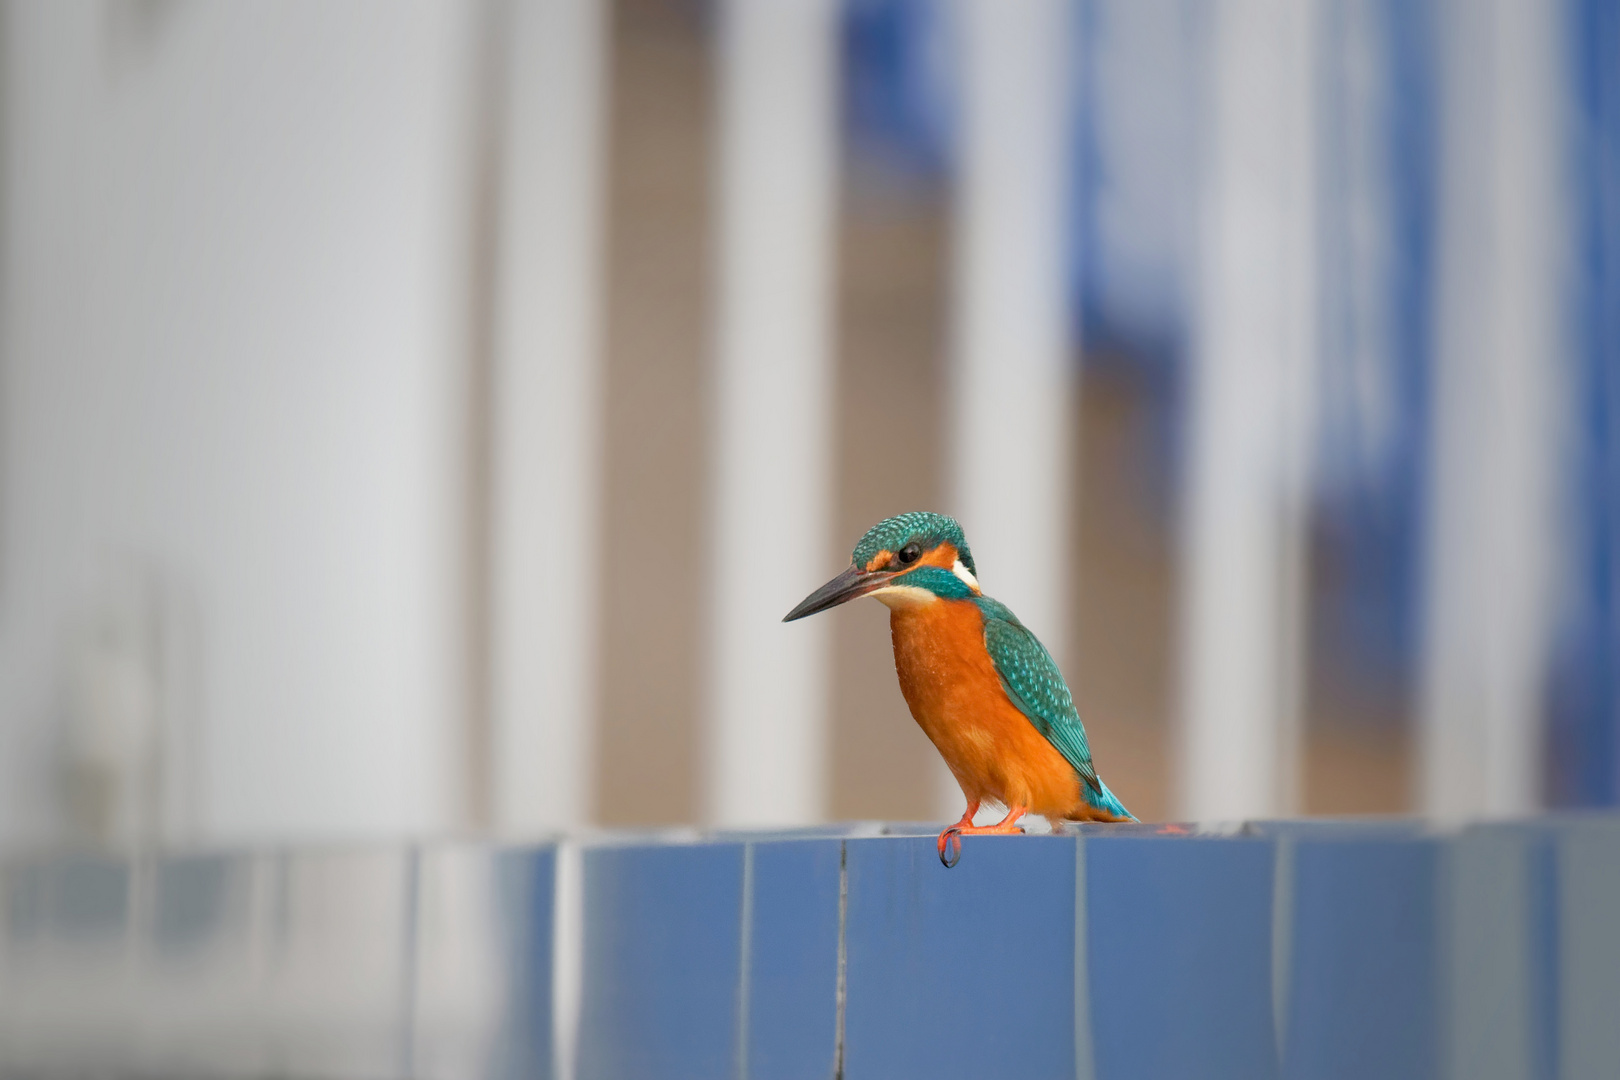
(903, 597)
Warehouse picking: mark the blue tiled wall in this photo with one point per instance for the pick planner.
(525, 905)
(663, 939)
(1284, 950)
(1364, 967)
(792, 976)
(960, 973)
(1179, 949)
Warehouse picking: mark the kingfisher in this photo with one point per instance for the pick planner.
(981, 686)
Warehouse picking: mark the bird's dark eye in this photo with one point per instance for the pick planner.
(910, 553)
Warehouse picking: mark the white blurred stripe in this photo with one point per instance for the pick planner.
(547, 416)
(236, 262)
(1012, 379)
(1500, 358)
(567, 959)
(1250, 412)
(773, 425)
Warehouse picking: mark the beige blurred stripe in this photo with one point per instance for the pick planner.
(1122, 610)
(654, 432)
(890, 411)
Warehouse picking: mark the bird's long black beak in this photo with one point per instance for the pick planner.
(849, 585)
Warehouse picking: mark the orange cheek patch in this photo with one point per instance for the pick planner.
(879, 561)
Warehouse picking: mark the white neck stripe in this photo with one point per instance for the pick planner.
(965, 575)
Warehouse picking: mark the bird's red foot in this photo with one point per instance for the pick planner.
(952, 837)
(950, 841)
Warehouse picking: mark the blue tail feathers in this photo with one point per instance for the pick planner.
(1105, 800)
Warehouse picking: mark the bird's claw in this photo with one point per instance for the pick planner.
(950, 841)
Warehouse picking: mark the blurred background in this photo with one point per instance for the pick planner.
(416, 417)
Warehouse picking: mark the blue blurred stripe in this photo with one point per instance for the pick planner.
(1584, 758)
(1377, 306)
(897, 77)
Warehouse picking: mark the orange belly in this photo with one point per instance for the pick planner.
(954, 694)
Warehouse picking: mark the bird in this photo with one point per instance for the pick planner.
(980, 685)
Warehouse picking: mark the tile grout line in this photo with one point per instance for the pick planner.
(409, 1003)
(1542, 879)
(1282, 939)
(745, 951)
(1085, 1061)
(1449, 1005)
(841, 992)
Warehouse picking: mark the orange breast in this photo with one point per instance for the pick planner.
(951, 686)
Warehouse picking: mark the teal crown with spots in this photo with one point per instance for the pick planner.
(928, 530)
